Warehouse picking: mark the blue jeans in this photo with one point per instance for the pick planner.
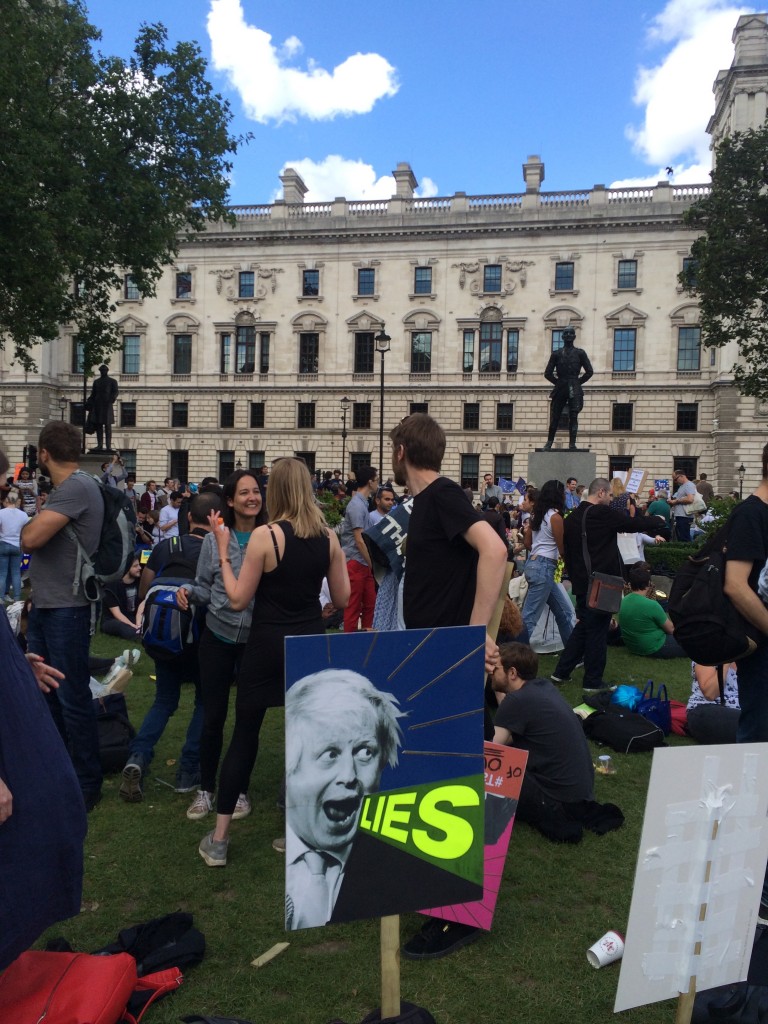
(542, 590)
(62, 636)
(588, 643)
(683, 528)
(669, 649)
(10, 571)
(170, 677)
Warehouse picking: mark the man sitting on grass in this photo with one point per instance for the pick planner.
(557, 795)
(646, 629)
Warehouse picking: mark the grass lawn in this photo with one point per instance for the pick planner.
(142, 861)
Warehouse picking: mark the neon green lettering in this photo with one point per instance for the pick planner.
(394, 814)
(457, 832)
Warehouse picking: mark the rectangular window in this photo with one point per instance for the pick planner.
(421, 352)
(621, 416)
(618, 464)
(364, 352)
(689, 348)
(492, 277)
(127, 414)
(471, 415)
(422, 281)
(627, 274)
(131, 289)
(470, 471)
(686, 464)
(361, 416)
(226, 464)
(469, 351)
(78, 355)
(687, 415)
(225, 363)
(131, 353)
(689, 271)
(490, 348)
(264, 354)
(366, 281)
(513, 349)
(419, 407)
(504, 414)
(226, 415)
(245, 350)
(77, 414)
(563, 277)
(257, 415)
(184, 285)
(624, 344)
(128, 455)
(257, 460)
(308, 458)
(557, 339)
(245, 283)
(182, 353)
(179, 414)
(306, 415)
(358, 460)
(309, 347)
(502, 467)
(178, 465)
(310, 282)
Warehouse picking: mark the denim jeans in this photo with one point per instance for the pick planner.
(10, 571)
(170, 675)
(542, 590)
(669, 649)
(683, 528)
(588, 643)
(62, 636)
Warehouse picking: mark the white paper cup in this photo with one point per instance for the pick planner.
(606, 950)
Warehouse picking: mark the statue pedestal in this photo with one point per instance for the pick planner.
(559, 464)
(91, 462)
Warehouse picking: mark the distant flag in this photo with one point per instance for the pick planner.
(520, 485)
(507, 486)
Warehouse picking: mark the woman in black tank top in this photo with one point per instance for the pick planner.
(283, 571)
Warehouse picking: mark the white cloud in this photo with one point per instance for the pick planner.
(271, 90)
(336, 176)
(677, 92)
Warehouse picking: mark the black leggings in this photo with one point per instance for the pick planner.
(240, 758)
(219, 666)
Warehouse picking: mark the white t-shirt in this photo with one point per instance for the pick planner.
(12, 522)
(169, 514)
(544, 544)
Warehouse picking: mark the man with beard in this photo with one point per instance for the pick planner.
(341, 732)
(60, 620)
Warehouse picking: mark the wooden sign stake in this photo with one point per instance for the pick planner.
(390, 966)
(685, 1004)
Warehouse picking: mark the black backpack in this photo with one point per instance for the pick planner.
(168, 632)
(707, 626)
(115, 732)
(624, 731)
(117, 542)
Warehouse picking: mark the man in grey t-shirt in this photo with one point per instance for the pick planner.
(684, 495)
(59, 624)
(362, 597)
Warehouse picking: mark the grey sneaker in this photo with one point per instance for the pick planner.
(213, 851)
(200, 806)
(130, 785)
(242, 808)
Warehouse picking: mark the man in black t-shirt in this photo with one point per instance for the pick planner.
(121, 613)
(454, 567)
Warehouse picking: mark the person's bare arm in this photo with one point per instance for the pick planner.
(360, 544)
(6, 802)
(338, 577)
(146, 581)
(706, 677)
(114, 611)
(39, 530)
(492, 558)
(503, 736)
(556, 526)
(668, 627)
(742, 596)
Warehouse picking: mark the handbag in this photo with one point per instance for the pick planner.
(655, 707)
(697, 505)
(624, 731)
(518, 590)
(605, 592)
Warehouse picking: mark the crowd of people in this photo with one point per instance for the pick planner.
(252, 561)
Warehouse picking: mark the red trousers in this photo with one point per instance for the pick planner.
(362, 597)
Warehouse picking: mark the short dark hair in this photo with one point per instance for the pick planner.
(599, 484)
(212, 480)
(364, 475)
(639, 576)
(61, 440)
(423, 439)
(572, 479)
(202, 505)
(520, 657)
(492, 502)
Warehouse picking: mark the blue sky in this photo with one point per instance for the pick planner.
(604, 92)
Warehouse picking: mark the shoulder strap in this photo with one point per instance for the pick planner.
(274, 542)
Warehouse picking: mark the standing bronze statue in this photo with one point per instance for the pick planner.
(563, 371)
(100, 409)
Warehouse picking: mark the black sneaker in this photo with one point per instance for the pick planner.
(91, 799)
(130, 785)
(560, 680)
(439, 938)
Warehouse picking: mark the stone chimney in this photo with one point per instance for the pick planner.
(533, 173)
(294, 188)
(406, 182)
(751, 40)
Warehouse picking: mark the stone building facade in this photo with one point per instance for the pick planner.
(262, 328)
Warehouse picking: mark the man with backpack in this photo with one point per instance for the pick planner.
(170, 563)
(60, 620)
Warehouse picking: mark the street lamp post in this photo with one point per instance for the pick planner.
(63, 403)
(345, 404)
(382, 340)
(741, 472)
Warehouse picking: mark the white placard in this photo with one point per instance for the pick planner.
(699, 872)
(635, 481)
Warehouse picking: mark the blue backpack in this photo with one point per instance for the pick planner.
(169, 633)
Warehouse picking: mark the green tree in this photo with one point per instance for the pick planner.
(729, 272)
(104, 165)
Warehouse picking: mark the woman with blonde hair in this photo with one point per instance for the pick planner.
(282, 572)
(620, 500)
(12, 520)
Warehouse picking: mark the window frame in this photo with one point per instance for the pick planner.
(225, 459)
(127, 414)
(366, 281)
(626, 274)
(182, 355)
(178, 464)
(244, 351)
(361, 415)
(226, 413)
(620, 350)
(305, 415)
(131, 291)
(564, 281)
(246, 284)
(364, 349)
(422, 280)
(179, 415)
(470, 416)
(505, 420)
(493, 345)
(418, 407)
(689, 353)
(421, 361)
(492, 279)
(621, 420)
(687, 417)
(183, 285)
(470, 470)
(127, 358)
(257, 415)
(309, 289)
(309, 352)
(499, 464)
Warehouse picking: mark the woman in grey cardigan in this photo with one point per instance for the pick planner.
(226, 631)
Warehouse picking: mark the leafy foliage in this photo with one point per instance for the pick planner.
(729, 273)
(103, 164)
